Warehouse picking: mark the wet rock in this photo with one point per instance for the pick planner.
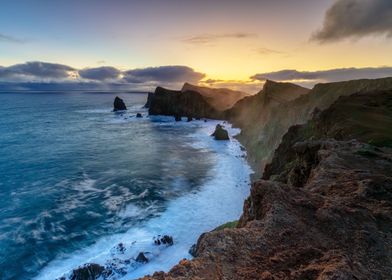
(189, 119)
(177, 117)
(166, 240)
(119, 104)
(90, 271)
(141, 258)
(192, 250)
(220, 133)
(138, 115)
(120, 248)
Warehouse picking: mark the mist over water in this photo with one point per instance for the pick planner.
(77, 179)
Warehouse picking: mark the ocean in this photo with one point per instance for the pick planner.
(77, 179)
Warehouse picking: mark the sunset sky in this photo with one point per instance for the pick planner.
(220, 42)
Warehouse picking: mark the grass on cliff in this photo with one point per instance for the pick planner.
(232, 224)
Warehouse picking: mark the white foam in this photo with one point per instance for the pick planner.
(218, 201)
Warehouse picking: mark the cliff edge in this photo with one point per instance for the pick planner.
(323, 209)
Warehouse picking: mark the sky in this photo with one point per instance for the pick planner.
(238, 44)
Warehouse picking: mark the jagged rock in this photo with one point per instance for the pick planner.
(90, 271)
(188, 103)
(119, 104)
(220, 133)
(141, 258)
(138, 115)
(166, 239)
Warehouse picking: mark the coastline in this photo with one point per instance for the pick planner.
(322, 208)
(201, 204)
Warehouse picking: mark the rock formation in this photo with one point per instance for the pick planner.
(219, 98)
(323, 209)
(262, 127)
(87, 272)
(198, 102)
(119, 104)
(220, 133)
(172, 103)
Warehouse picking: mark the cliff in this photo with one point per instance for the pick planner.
(195, 101)
(262, 136)
(219, 98)
(323, 209)
(172, 103)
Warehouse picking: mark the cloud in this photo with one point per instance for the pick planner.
(333, 75)
(100, 73)
(267, 51)
(209, 38)
(35, 75)
(355, 19)
(163, 74)
(10, 39)
(36, 69)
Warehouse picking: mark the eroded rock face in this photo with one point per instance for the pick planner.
(220, 133)
(335, 222)
(89, 271)
(182, 103)
(119, 104)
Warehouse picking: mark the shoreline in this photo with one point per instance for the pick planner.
(232, 150)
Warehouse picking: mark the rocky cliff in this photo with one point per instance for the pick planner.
(219, 98)
(323, 209)
(261, 138)
(195, 101)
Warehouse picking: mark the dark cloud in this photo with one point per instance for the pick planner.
(356, 18)
(332, 75)
(163, 74)
(10, 39)
(100, 73)
(209, 38)
(36, 69)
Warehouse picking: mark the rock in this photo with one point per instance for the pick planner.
(90, 271)
(119, 104)
(138, 115)
(188, 103)
(166, 240)
(141, 258)
(189, 119)
(177, 117)
(220, 133)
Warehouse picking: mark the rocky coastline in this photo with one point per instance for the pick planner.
(322, 207)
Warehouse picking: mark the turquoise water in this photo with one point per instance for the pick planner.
(76, 179)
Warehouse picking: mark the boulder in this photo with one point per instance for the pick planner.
(166, 240)
(177, 117)
(119, 104)
(138, 115)
(141, 258)
(220, 133)
(189, 119)
(88, 271)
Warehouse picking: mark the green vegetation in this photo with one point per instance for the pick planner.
(232, 224)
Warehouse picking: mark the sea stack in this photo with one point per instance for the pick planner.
(119, 105)
(220, 133)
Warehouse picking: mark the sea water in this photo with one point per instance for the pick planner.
(77, 179)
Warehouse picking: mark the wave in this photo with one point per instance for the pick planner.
(218, 200)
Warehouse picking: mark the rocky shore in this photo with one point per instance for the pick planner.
(323, 207)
